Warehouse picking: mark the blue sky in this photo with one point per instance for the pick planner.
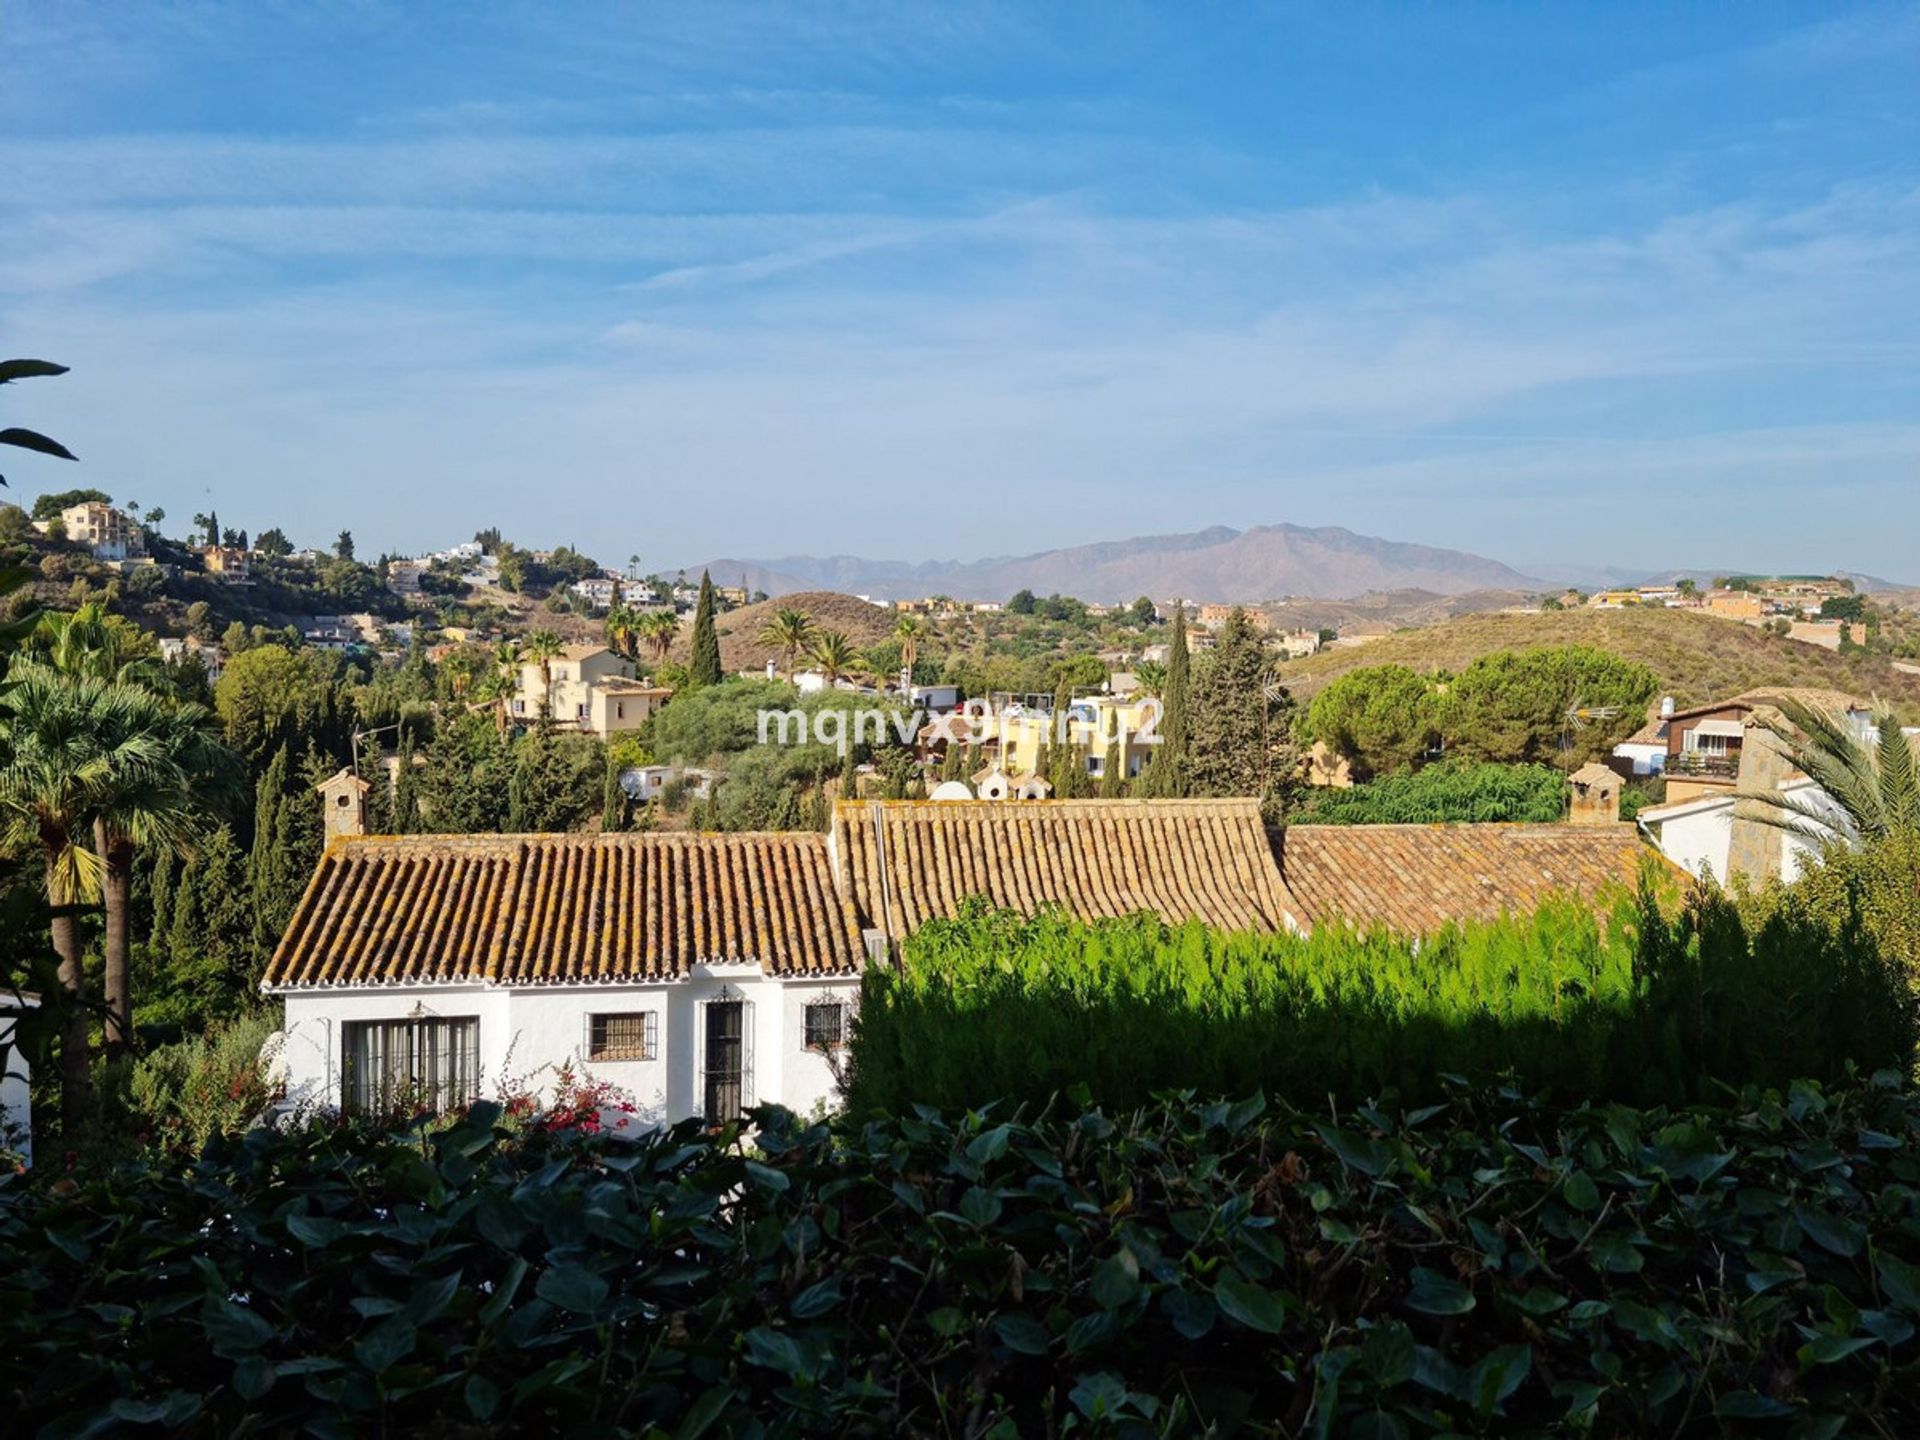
(1597, 283)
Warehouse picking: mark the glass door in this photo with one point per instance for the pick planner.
(725, 1060)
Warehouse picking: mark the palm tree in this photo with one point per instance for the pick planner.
(150, 807)
(89, 641)
(623, 631)
(1151, 676)
(834, 653)
(68, 744)
(909, 632)
(542, 646)
(790, 632)
(153, 805)
(658, 628)
(506, 679)
(1868, 789)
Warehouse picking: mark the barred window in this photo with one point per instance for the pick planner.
(633, 1035)
(394, 1064)
(826, 1025)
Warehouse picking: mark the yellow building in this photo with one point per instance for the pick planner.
(588, 688)
(1090, 725)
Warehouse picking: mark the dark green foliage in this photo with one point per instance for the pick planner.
(46, 506)
(406, 789)
(286, 843)
(1383, 718)
(703, 664)
(1484, 1266)
(1517, 705)
(1634, 1006)
(556, 781)
(1450, 792)
(1238, 742)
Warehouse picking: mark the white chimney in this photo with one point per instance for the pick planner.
(1666, 707)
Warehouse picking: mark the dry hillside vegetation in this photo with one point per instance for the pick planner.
(742, 649)
(1697, 658)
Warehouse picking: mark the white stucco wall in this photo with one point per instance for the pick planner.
(16, 1111)
(528, 1034)
(1699, 840)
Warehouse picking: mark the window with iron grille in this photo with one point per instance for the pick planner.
(826, 1025)
(632, 1035)
(390, 1065)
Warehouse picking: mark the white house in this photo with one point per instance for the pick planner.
(650, 782)
(699, 975)
(16, 1110)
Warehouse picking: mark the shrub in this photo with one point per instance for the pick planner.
(1452, 791)
(216, 1082)
(1487, 1266)
(1632, 1005)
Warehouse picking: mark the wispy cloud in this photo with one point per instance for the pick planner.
(887, 290)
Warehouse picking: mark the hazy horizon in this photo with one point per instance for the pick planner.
(1627, 287)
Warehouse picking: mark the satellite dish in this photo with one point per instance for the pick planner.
(951, 790)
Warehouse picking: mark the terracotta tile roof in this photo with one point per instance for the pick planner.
(539, 909)
(904, 862)
(1416, 878)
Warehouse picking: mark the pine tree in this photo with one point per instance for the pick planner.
(1238, 735)
(704, 666)
(1165, 777)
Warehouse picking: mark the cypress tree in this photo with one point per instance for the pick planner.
(704, 666)
(271, 879)
(1166, 774)
(406, 790)
(849, 778)
(613, 800)
(1113, 780)
(161, 888)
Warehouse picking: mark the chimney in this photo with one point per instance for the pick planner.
(344, 798)
(1594, 797)
(1666, 707)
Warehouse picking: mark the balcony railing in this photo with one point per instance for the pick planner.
(1705, 765)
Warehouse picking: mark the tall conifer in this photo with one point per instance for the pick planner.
(704, 666)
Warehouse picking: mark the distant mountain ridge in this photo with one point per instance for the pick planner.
(1219, 565)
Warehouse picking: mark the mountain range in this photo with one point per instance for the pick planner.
(1221, 565)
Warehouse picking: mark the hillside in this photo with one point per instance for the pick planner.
(740, 645)
(1218, 564)
(1697, 658)
(1392, 608)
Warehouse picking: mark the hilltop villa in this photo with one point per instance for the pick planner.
(702, 973)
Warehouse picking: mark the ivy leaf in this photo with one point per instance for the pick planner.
(1832, 1233)
(1828, 1349)
(1192, 1313)
(1899, 1279)
(1359, 1152)
(1434, 1294)
(816, 1299)
(1252, 1306)
(572, 1288)
(1022, 1334)
(1748, 1405)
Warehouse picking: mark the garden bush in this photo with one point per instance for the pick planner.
(1632, 1005)
(1447, 792)
(1486, 1265)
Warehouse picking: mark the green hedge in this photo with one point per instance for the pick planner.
(1482, 1267)
(1444, 793)
(1635, 1006)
